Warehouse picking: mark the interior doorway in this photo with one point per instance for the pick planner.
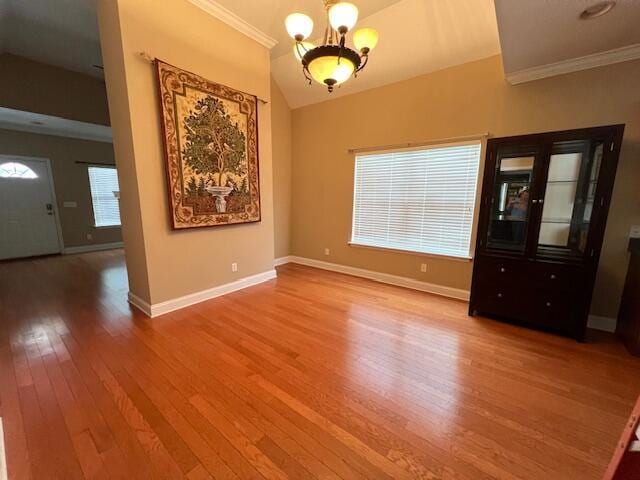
(29, 224)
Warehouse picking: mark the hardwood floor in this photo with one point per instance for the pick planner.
(312, 375)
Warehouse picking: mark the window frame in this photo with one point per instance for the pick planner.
(480, 140)
(28, 173)
(93, 209)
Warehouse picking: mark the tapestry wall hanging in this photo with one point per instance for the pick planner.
(211, 150)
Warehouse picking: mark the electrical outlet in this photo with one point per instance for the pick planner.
(89, 236)
(635, 231)
(423, 267)
(234, 267)
(327, 251)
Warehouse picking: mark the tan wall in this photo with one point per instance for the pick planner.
(281, 126)
(70, 179)
(164, 264)
(36, 87)
(463, 100)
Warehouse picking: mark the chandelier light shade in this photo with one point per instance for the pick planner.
(343, 16)
(330, 69)
(365, 39)
(299, 26)
(331, 63)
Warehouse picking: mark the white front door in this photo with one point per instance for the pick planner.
(28, 225)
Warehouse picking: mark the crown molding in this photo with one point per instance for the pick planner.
(215, 9)
(630, 52)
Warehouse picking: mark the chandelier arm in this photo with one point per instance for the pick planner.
(365, 59)
(298, 45)
(305, 72)
(341, 51)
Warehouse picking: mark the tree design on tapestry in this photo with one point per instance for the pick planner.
(215, 149)
(211, 150)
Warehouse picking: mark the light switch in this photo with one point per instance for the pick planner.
(635, 231)
(69, 204)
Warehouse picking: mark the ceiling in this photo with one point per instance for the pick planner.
(416, 36)
(535, 33)
(268, 16)
(63, 33)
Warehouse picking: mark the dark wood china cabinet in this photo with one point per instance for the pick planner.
(544, 205)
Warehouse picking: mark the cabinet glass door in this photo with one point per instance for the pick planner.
(569, 195)
(510, 207)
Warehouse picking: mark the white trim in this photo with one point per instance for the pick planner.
(397, 280)
(221, 13)
(3, 455)
(281, 260)
(136, 301)
(623, 54)
(606, 324)
(157, 309)
(92, 248)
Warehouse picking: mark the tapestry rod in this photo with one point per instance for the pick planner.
(464, 138)
(145, 56)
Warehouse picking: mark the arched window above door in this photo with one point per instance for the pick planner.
(16, 170)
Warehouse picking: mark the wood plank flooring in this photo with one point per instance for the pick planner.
(313, 375)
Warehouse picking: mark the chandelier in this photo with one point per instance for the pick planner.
(331, 63)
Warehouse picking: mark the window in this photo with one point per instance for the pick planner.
(417, 200)
(16, 170)
(104, 195)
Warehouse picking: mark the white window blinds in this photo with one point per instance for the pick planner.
(417, 200)
(104, 188)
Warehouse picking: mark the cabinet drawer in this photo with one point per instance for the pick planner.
(554, 276)
(552, 309)
(499, 270)
(501, 300)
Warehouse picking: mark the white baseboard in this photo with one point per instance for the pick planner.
(157, 309)
(3, 456)
(606, 324)
(92, 248)
(379, 277)
(282, 260)
(140, 304)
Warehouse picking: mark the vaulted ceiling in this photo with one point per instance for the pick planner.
(537, 38)
(416, 37)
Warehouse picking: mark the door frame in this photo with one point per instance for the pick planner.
(47, 162)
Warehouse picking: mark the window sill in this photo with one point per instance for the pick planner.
(411, 252)
(102, 227)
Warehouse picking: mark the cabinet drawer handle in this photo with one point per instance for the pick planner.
(499, 295)
(502, 269)
(553, 277)
(548, 304)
